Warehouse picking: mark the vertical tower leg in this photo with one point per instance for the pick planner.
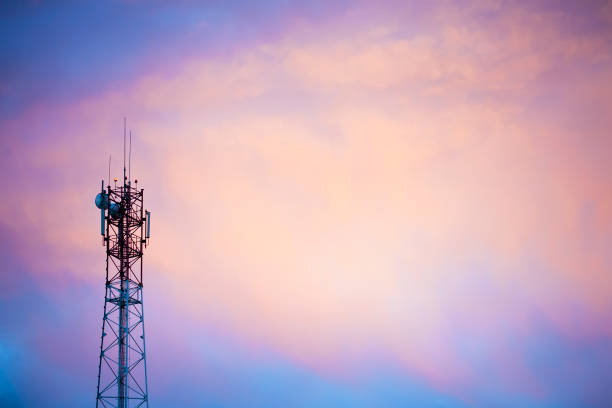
(123, 344)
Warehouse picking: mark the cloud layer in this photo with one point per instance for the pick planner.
(399, 204)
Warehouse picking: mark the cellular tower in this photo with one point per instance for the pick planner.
(125, 228)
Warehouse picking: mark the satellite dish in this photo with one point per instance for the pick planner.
(115, 210)
(102, 201)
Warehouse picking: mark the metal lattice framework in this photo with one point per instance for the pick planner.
(122, 371)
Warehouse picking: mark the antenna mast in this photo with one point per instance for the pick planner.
(124, 129)
(125, 227)
(130, 159)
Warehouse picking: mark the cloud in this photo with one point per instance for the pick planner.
(352, 199)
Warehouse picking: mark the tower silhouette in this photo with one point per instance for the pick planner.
(125, 227)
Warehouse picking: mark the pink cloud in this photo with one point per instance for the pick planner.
(333, 226)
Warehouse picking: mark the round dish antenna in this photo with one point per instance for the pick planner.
(102, 201)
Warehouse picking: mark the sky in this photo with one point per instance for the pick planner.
(354, 204)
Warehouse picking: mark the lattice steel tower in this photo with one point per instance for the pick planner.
(125, 227)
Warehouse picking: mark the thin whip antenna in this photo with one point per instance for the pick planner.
(124, 131)
(109, 163)
(130, 159)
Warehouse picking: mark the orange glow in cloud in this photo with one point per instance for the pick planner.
(357, 193)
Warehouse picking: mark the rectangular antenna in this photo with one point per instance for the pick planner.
(148, 224)
(102, 214)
